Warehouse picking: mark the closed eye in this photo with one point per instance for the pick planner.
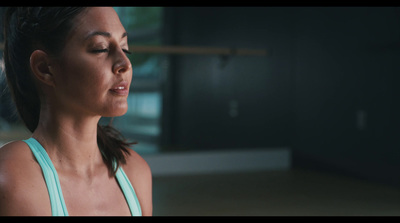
(100, 51)
(127, 51)
(106, 50)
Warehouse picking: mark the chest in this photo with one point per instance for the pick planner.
(93, 198)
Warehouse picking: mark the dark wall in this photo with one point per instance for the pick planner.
(208, 87)
(328, 89)
(347, 72)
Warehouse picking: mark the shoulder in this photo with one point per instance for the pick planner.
(15, 161)
(139, 173)
(22, 187)
(136, 165)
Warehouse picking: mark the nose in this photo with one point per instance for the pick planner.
(122, 63)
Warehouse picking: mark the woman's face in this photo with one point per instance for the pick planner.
(93, 74)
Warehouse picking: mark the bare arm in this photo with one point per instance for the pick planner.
(22, 188)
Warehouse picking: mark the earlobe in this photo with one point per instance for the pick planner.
(40, 66)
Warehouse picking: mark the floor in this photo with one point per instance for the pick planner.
(272, 193)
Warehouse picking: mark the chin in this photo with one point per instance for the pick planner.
(119, 114)
(116, 111)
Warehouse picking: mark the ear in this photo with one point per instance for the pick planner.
(40, 66)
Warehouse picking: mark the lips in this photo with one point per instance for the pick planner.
(120, 89)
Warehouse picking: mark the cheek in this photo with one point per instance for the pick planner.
(93, 93)
(82, 80)
(91, 86)
(80, 71)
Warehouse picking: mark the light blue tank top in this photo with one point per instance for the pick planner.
(58, 207)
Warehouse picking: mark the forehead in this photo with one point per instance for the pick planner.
(98, 19)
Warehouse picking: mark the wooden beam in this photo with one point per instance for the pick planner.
(183, 50)
(187, 50)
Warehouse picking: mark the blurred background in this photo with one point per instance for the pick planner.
(308, 127)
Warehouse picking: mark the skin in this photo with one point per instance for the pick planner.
(75, 94)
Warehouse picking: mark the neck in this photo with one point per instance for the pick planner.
(69, 140)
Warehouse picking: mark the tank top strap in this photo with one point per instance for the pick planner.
(58, 207)
(129, 192)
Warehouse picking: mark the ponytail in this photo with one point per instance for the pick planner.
(16, 63)
(113, 146)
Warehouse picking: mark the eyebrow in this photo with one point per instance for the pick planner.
(105, 34)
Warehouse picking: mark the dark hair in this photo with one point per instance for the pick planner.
(25, 30)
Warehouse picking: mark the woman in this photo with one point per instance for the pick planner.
(66, 68)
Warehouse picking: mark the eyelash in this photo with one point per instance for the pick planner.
(106, 50)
